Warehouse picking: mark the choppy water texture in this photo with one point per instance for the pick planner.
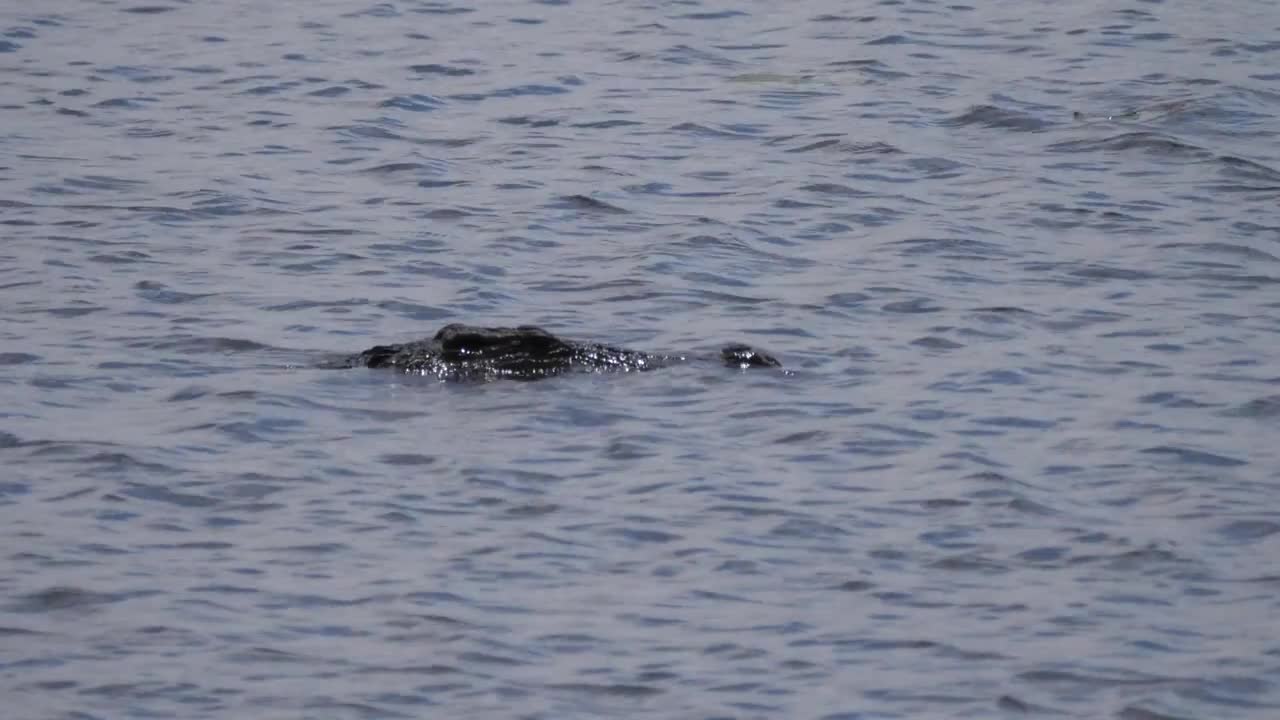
(1021, 258)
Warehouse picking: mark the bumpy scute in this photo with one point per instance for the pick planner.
(469, 353)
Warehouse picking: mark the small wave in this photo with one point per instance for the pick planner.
(373, 132)
(68, 598)
(1239, 251)
(1194, 457)
(201, 345)
(398, 167)
(588, 204)
(953, 248)
(1152, 142)
(835, 189)
(16, 358)
(413, 103)
(1248, 169)
(149, 9)
(160, 293)
(996, 117)
(1262, 408)
(847, 147)
(446, 70)
(700, 130)
(511, 92)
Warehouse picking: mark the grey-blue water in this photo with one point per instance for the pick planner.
(1021, 259)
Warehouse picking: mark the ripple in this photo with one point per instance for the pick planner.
(1194, 457)
(1249, 530)
(617, 691)
(438, 69)
(991, 116)
(1025, 293)
(1137, 712)
(1152, 142)
(200, 345)
(414, 103)
(589, 204)
(62, 598)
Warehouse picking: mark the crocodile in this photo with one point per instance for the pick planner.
(468, 353)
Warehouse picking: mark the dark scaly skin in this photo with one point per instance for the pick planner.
(467, 353)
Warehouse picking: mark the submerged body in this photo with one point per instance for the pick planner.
(469, 353)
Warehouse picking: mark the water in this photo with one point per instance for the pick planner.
(1021, 259)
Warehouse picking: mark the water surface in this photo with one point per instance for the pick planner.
(1022, 261)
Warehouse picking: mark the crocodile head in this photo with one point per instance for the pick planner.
(745, 356)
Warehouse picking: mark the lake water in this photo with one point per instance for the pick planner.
(1021, 260)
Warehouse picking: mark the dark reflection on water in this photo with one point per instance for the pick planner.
(1021, 263)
